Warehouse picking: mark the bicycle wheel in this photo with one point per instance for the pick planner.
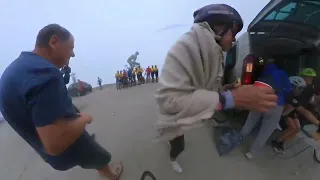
(147, 175)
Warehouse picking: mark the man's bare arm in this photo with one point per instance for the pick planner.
(60, 135)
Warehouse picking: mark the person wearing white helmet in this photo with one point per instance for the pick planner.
(190, 82)
(299, 109)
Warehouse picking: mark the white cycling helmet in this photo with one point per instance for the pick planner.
(297, 81)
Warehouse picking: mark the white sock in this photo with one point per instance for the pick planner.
(176, 166)
(249, 155)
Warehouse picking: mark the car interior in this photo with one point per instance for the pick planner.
(289, 34)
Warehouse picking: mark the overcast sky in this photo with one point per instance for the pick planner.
(106, 31)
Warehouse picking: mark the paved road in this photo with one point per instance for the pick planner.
(123, 123)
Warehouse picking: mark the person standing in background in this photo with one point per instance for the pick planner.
(156, 72)
(117, 76)
(100, 83)
(66, 71)
(152, 73)
(148, 71)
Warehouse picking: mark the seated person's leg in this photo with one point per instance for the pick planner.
(270, 122)
(295, 130)
(251, 122)
(289, 131)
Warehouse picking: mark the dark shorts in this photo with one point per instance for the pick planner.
(84, 152)
(89, 154)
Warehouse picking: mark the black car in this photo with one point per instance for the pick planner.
(73, 89)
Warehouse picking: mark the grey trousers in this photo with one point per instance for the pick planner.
(269, 122)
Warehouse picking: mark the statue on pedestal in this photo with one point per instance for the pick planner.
(132, 60)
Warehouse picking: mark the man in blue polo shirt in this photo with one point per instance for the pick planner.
(35, 102)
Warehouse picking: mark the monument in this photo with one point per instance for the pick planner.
(132, 60)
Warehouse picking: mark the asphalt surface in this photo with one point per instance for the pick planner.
(123, 123)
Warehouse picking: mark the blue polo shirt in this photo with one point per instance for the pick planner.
(33, 94)
(278, 80)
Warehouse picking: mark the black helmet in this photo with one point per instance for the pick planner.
(218, 14)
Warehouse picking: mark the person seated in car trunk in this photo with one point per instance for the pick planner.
(299, 110)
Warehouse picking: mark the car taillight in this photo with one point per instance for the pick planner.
(247, 78)
(247, 70)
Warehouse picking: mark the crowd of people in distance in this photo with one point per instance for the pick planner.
(136, 76)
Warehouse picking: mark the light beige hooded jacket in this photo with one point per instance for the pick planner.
(190, 79)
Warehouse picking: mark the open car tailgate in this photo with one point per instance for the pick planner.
(294, 19)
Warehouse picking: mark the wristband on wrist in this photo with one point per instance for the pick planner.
(226, 100)
(222, 101)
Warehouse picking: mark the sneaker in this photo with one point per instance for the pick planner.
(249, 155)
(176, 166)
(278, 147)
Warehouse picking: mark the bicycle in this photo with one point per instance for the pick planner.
(147, 175)
(141, 79)
(125, 82)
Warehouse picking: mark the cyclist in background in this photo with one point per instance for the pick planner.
(139, 74)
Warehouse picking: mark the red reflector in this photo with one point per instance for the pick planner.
(247, 78)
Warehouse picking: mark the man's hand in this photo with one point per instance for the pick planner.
(254, 98)
(86, 118)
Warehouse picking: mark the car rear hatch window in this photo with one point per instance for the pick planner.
(289, 18)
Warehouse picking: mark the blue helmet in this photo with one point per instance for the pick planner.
(219, 14)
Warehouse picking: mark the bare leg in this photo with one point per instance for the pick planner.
(292, 131)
